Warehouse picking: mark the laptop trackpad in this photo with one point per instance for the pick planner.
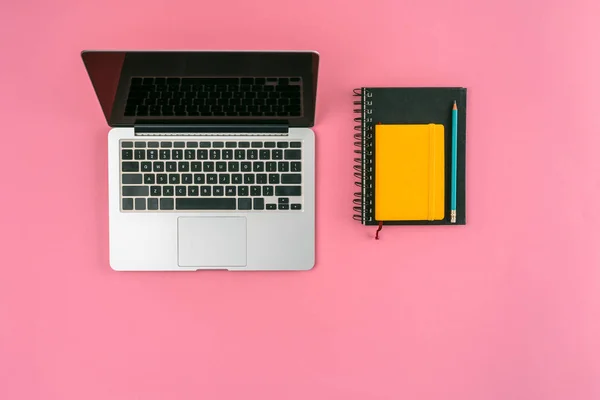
(211, 241)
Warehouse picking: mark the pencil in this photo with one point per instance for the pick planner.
(454, 150)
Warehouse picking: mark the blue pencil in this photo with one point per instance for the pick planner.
(454, 155)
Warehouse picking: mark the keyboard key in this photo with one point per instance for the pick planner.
(153, 203)
(288, 190)
(255, 190)
(186, 179)
(283, 166)
(221, 166)
(230, 191)
(215, 154)
(259, 204)
(252, 154)
(265, 154)
(140, 204)
(173, 179)
(273, 179)
(128, 204)
(293, 154)
(149, 179)
(267, 191)
(131, 179)
(270, 144)
(179, 144)
(171, 166)
(130, 166)
(277, 155)
(140, 154)
(218, 191)
(202, 154)
(166, 144)
(158, 166)
(192, 190)
(165, 154)
(152, 154)
(180, 191)
(261, 178)
(129, 191)
(283, 200)
(230, 144)
(271, 166)
(296, 206)
(139, 144)
(205, 191)
(296, 166)
(271, 206)
(246, 166)
(162, 178)
(184, 166)
(190, 155)
(146, 166)
(224, 179)
(296, 144)
(240, 154)
(282, 145)
(155, 191)
(258, 166)
(291, 178)
(244, 144)
(243, 190)
(205, 144)
(199, 179)
(205, 204)
(248, 178)
(257, 145)
(211, 178)
(196, 166)
(244, 204)
(209, 166)
(191, 144)
(126, 154)
(127, 145)
(227, 154)
(233, 166)
(166, 204)
(218, 145)
(284, 206)
(236, 179)
(168, 190)
(177, 154)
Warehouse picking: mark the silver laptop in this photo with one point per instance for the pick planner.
(211, 158)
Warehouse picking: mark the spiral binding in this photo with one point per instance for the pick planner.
(363, 135)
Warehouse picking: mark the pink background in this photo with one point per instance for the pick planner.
(507, 307)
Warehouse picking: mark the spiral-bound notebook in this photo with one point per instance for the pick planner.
(403, 162)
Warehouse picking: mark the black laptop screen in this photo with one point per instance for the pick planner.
(137, 87)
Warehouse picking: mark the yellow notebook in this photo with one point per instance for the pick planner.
(409, 172)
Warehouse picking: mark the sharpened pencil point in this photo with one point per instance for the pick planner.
(454, 106)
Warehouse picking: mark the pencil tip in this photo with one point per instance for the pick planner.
(454, 106)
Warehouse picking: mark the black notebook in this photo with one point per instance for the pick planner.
(404, 156)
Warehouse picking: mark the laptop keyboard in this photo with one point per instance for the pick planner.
(196, 175)
(215, 97)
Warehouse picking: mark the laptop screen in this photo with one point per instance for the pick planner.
(137, 87)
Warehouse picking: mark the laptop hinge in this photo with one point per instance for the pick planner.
(211, 130)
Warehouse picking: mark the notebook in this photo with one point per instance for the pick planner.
(403, 163)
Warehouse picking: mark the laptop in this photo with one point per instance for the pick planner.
(211, 158)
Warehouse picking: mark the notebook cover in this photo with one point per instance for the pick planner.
(409, 172)
(416, 105)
